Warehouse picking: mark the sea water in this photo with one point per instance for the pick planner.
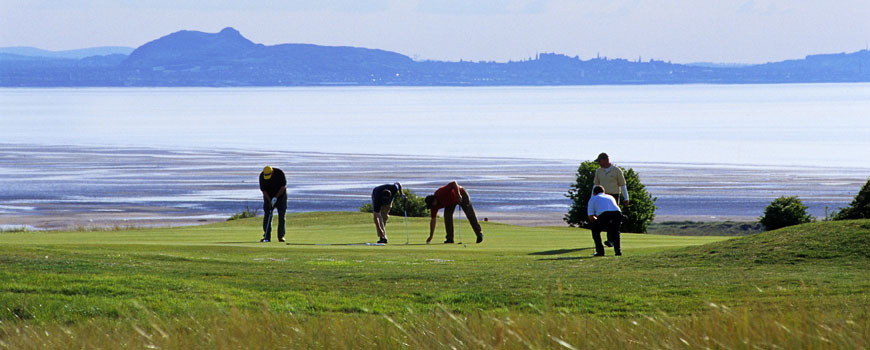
(801, 124)
(703, 150)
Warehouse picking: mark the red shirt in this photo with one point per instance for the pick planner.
(446, 195)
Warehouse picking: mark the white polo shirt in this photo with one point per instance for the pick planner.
(600, 203)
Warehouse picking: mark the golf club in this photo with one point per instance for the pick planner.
(407, 237)
(459, 231)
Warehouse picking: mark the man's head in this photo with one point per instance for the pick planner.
(399, 186)
(430, 201)
(603, 160)
(597, 189)
(267, 172)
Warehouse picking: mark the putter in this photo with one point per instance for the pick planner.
(407, 237)
(459, 231)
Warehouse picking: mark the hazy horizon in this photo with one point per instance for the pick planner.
(744, 31)
(416, 58)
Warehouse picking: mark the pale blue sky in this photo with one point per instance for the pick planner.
(748, 31)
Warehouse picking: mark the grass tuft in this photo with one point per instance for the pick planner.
(248, 212)
(718, 327)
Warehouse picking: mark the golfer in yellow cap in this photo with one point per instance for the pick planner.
(273, 184)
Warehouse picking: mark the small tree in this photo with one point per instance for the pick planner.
(785, 211)
(639, 213)
(416, 205)
(860, 206)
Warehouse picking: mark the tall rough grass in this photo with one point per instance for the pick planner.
(719, 328)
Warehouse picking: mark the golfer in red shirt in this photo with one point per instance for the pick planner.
(447, 197)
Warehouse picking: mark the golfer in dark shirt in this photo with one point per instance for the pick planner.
(273, 184)
(382, 202)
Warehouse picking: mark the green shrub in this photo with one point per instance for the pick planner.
(641, 209)
(785, 211)
(416, 205)
(860, 206)
(247, 213)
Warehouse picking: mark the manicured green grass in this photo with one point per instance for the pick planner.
(117, 278)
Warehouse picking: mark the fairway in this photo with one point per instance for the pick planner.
(325, 276)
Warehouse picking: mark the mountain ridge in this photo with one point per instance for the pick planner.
(28, 51)
(227, 58)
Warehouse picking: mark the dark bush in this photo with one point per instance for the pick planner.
(641, 209)
(416, 205)
(785, 211)
(860, 206)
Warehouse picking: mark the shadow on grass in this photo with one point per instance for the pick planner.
(560, 251)
(568, 258)
(240, 242)
(331, 244)
(339, 244)
(563, 251)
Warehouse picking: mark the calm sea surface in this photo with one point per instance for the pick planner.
(706, 151)
(806, 124)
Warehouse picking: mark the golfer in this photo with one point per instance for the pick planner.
(447, 197)
(611, 178)
(273, 184)
(382, 202)
(604, 215)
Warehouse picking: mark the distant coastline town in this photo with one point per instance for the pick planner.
(226, 58)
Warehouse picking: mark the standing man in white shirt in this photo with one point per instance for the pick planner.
(604, 215)
(611, 178)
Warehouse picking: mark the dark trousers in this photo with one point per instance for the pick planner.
(609, 221)
(469, 213)
(281, 205)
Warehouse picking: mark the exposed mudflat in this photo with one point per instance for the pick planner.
(54, 187)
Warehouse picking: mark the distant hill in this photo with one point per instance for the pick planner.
(73, 54)
(226, 58)
(196, 58)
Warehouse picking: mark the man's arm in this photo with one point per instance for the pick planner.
(625, 194)
(458, 191)
(281, 191)
(591, 209)
(620, 180)
(432, 228)
(266, 197)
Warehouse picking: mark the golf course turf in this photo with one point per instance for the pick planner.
(214, 286)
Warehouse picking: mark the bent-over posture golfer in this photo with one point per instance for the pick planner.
(447, 197)
(605, 216)
(382, 202)
(273, 184)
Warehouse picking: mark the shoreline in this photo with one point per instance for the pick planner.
(88, 186)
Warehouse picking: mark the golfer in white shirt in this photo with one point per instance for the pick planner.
(604, 215)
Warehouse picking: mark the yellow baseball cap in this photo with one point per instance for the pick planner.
(267, 172)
